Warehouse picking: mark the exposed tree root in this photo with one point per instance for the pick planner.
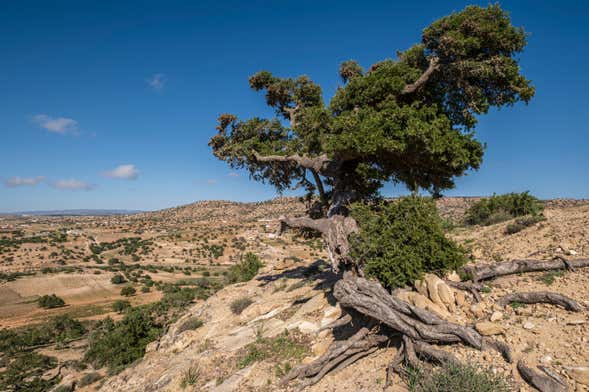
(489, 271)
(542, 382)
(545, 297)
(371, 299)
(340, 355)
(471, 287)
(340, 322)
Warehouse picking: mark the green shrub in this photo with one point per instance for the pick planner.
(128, 291)
(89, 378)
(25, 371)
(190, 325)
(399, 241)
(523, 223)
(280, 348)
(240, 304)
(456, 378)
(118, 279)
(50, 301)
(120, 306)
(190, 377)
(246, 269)
(119, 344)
(499, 208)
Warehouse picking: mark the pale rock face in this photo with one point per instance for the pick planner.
(496, 316)
(488, 328)
(580, 374)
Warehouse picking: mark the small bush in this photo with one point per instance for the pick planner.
(400, 241)
(549, 277)
(120, 306)
(50, 301)
(118, 279)
(283, 347)
(456, 378)
(499, 208)
(246, 269)
(118, 344)
(128, 291)
(240, 304)
(190, 325)
(523, 223)
(190, 377)
(89, 378)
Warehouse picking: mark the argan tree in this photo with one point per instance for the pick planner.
(407, 120)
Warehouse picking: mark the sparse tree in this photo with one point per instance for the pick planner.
(408, 120)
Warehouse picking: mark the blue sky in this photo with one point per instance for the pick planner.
(110, 104)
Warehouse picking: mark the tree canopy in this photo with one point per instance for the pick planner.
(407, 120)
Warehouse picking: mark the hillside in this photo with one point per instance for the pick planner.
(295, 297)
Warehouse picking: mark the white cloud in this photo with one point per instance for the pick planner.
(72, 185)
(23, 181)
(157, 81)
(233, 174)
(59, 125)
(124, 172)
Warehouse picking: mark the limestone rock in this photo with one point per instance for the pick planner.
(488, 328)
(579, 374)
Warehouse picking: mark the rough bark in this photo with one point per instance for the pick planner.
(543, 383)
(340, 355)
(320, 164)
(490, 271)
(335, 232)
(432, 67)
(371, 299)
(545, 297)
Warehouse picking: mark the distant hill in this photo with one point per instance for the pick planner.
(80, 212)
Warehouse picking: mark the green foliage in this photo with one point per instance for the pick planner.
(190, 325)
(246, 269)
(523, 223)
(24, 373)
(119, 344)
(118, 279)
(379, 126)
(240, 304)
(120, 306)
(50, 301)
(456, 378)
(498, 208)
(190, 377)
(400, 241)
(549, 277)
(282, 347)
(89, 378)
(128, 291)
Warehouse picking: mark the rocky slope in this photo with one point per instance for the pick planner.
(251, 350)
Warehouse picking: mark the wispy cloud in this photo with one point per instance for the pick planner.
(157, 81)
(72, 185)
(123, 172)
(61, 125)
(14, 182)
(233, 174)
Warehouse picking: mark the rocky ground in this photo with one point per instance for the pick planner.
(251, 351)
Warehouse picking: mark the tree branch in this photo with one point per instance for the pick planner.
(318, 164)
(432, 67)
(488, 271)
(320, 188)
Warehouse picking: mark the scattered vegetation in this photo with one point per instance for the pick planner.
(190, 325)
(128, 291)
(549, 277)
(400, 241)
(456, 378)
(50, 301)
(190, 376)
(499, 208)
(240, 304)
(286, 346)
(523, 223)
(246, 269)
